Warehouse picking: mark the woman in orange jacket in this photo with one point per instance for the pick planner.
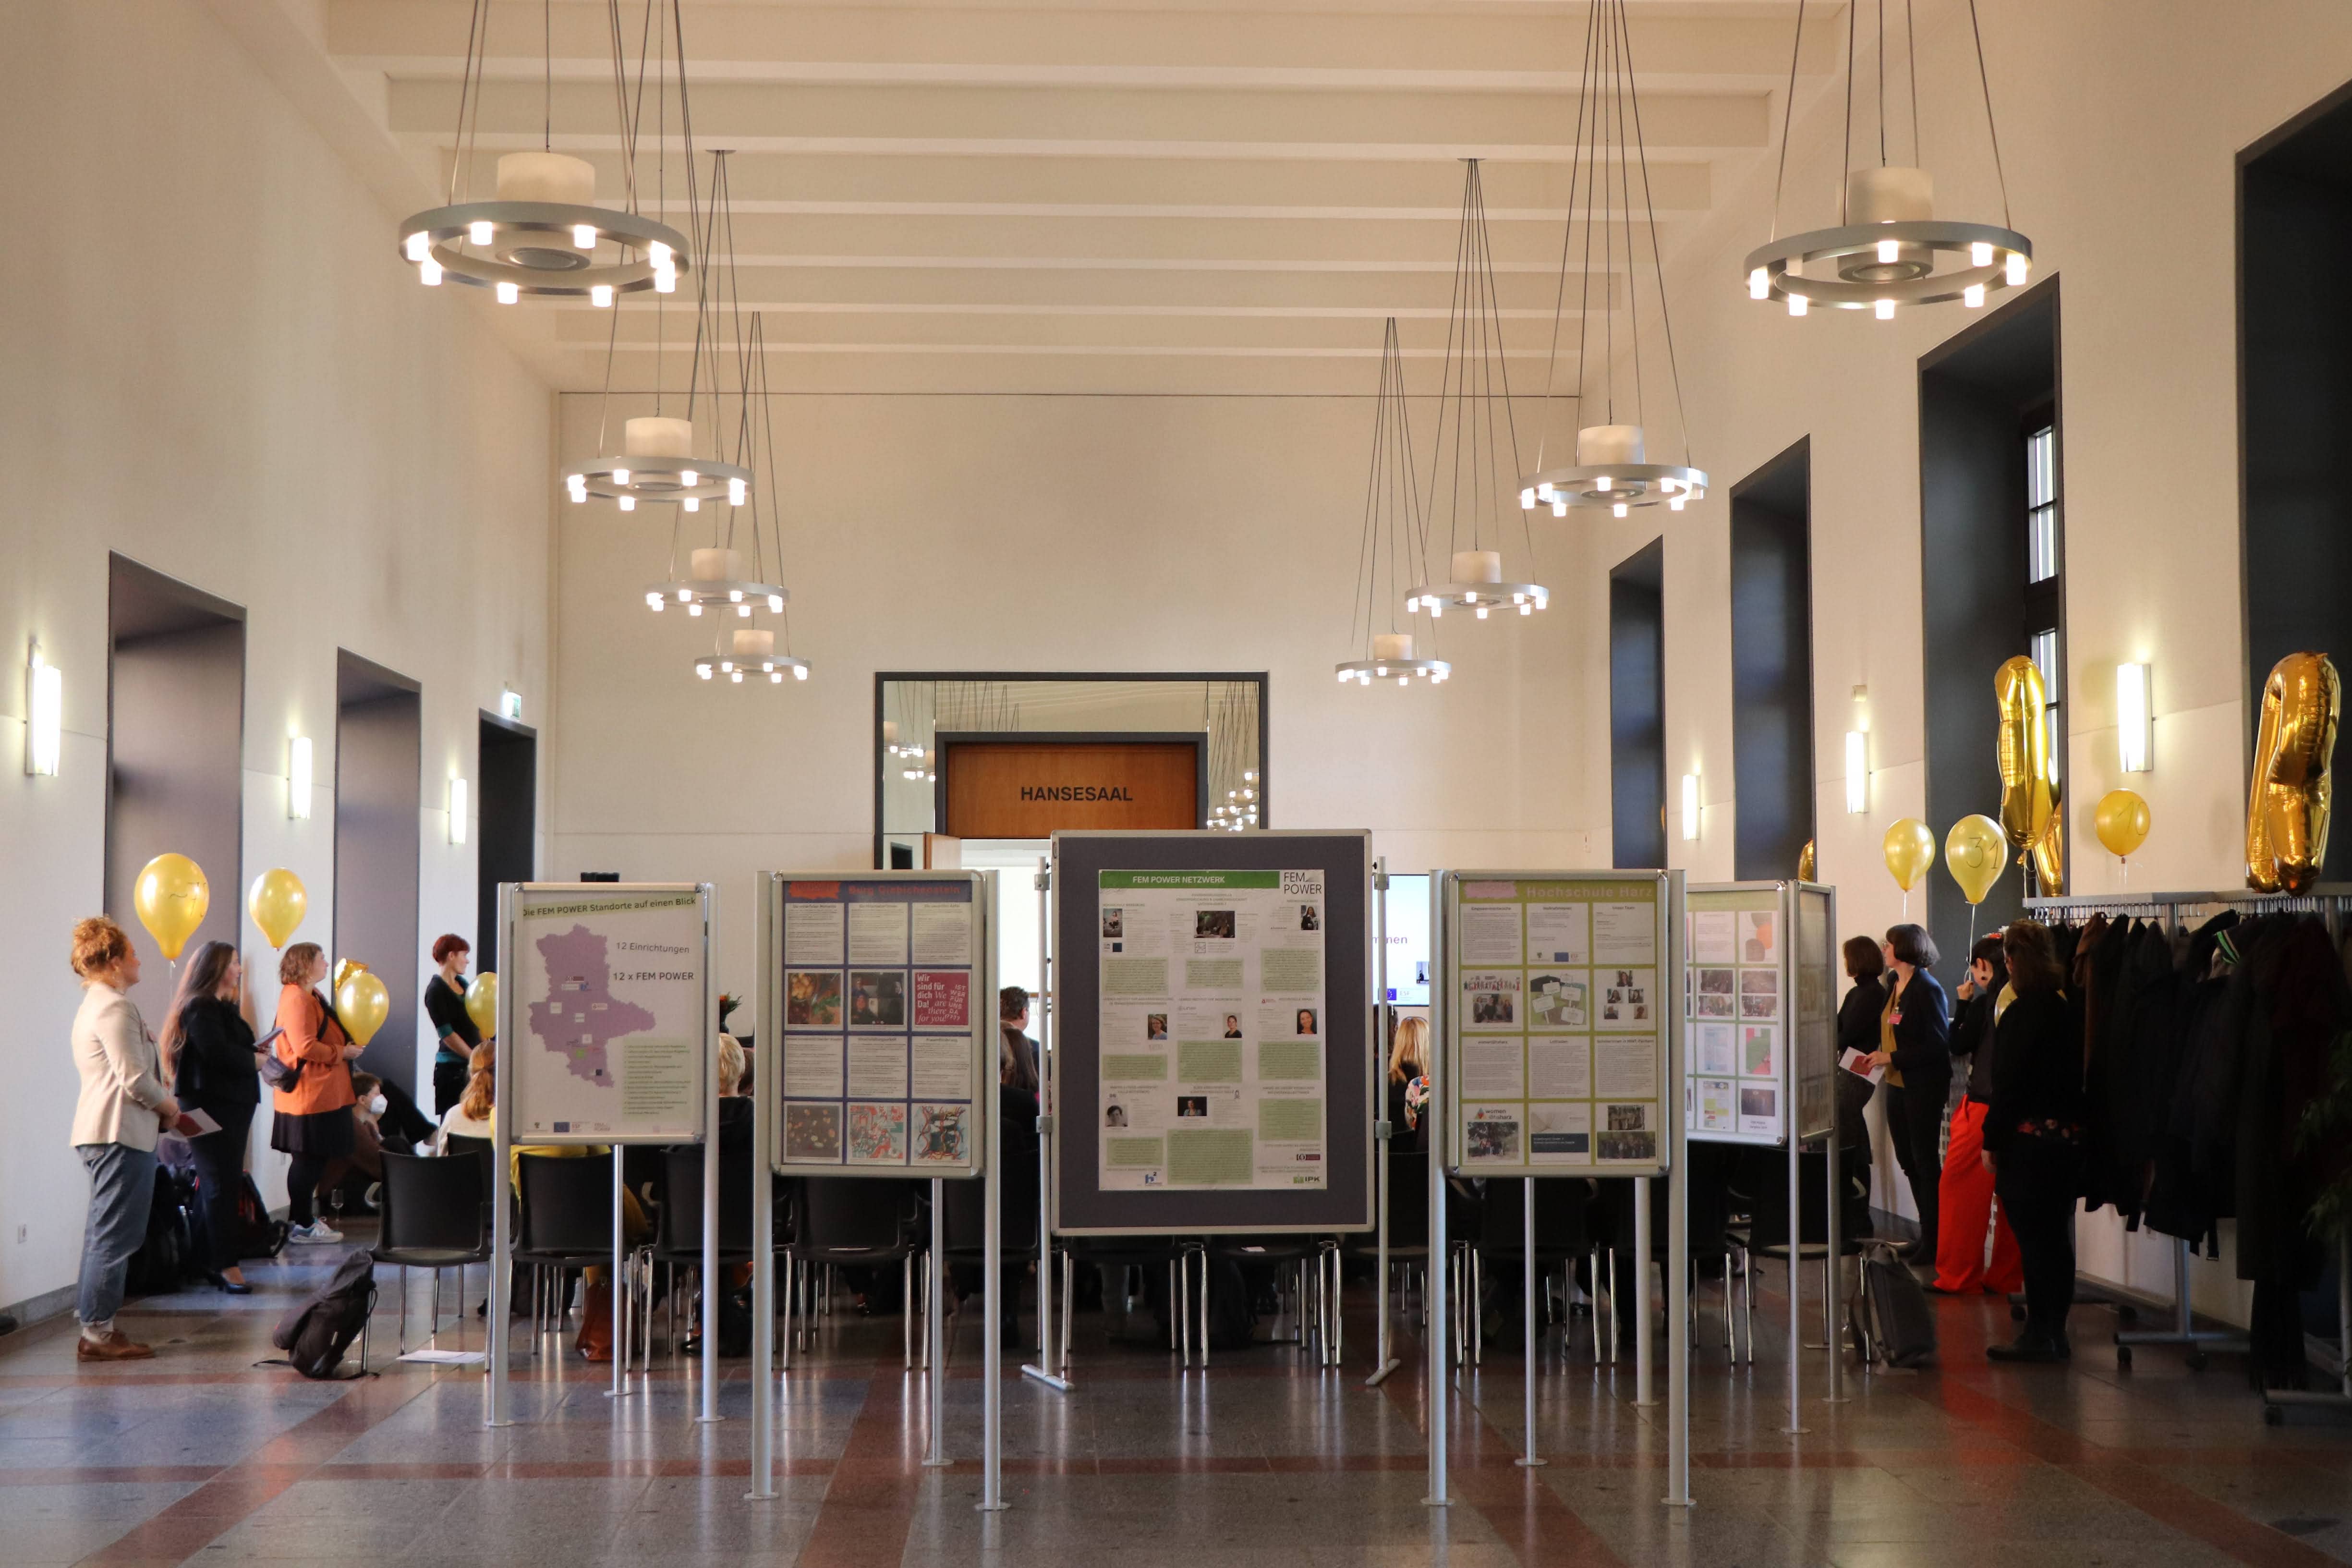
(313, 1109)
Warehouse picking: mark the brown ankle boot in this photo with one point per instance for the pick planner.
(595, 1340)
(116, 1346)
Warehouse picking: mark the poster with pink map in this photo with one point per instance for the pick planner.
(610, 1012)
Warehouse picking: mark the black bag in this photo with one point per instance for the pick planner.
(1898, 1327)
(258, 1236)
(315, 1334)
(168, 1256)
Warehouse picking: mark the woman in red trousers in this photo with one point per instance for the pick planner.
(1964, 1194)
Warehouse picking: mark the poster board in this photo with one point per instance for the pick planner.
(610, 1012)
(880, 1037)
(1211, 1063)
(1553, 996)
(1758, 1006)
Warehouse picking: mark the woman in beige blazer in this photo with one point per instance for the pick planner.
(123, 1106)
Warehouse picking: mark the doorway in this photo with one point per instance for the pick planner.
(379, 754)
(1637, 707)
(508, 849)
(175, 744)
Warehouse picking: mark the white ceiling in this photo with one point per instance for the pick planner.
(1085, 197)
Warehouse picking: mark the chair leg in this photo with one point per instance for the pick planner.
(1069, 1311)
(907, 1308)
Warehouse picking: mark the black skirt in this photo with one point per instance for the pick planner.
(322, 1135)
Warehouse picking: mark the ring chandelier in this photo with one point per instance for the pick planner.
(1482, 468)
(1611, 468)
(543, 234)
(1394, 538)
(749, 651)
(1888, 249)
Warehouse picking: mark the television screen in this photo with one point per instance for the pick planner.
(1408, 947)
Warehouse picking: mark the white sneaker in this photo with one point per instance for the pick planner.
(319, 1231)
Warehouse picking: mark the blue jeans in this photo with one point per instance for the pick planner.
(121, 1191)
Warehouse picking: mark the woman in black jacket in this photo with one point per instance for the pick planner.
(1857, 1027)
(1913, 1032)
(2033, 1138)
(208, 1054)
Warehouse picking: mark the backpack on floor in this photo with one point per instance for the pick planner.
(168, 1256)
(315, 1334)
(258, 1236)
(1898, 1328)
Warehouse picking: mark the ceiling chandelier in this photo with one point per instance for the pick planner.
(1485, 463)
(715, 572)
(543, 234)
(749, 651)
(1889, 248)
(657, 460)
(1611, 467)
(1394, 538)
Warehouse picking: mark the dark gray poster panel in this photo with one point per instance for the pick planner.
(1211, 1067)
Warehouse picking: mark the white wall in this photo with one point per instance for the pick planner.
(216, 364)
(2120, 128)
(1044, 534)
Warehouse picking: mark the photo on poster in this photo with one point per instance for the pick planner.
(813, 1132)
(1155, 1025)
(877, 999)
(1718, 982)
(1715, 1048)
(1766, 1006)
(877, 1135)
(1628, 1148)
(942, 998)
(1760, 1109)
(1625, 1002)
(942, 1134)
(1760, 936)
(1759, 982)
(1213, 925)
(1309, 918)
(1114, 1114)
(1193, 1108)
(1231, 1027)
(813, 999)
(1760, 1050)
(1556, 1001)
(1114, 924)
(1490, 999)
(1718, 1105)
(1718, 1006)
(1713, 937)
(1559, 1132)
(1303, 1022)
(1628, 1118)
(1492, 1135)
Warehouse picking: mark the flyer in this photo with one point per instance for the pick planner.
(1211, 1030)
(881, 1007)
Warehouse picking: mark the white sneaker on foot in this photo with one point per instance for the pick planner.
(317, 1231)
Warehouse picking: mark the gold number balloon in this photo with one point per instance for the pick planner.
(2122, 822)
(482, 1003)
(2286, 816)
(171, 897)
(1975, 853)
(278, 902)
(1910, 849)
(2029, 776)
(363, 1003)
(1808, 870)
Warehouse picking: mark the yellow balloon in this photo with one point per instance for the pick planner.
(1910, 850)
(344, 969)
(2121, 820)
(2028, 773)
(171, 897)
(1976, 852)
(363, 1003)
(2288, 809)
(482, 1003)
(1808, 867)
(278, 902)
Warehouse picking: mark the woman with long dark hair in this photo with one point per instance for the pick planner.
(1914, 1031)
(2034, 1137)
(1964, 1198)
(208, 1055)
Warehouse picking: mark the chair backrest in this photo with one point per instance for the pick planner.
(965, 1215)
(1561, 1206)
(852, 1215)
(1767, 1173)
(567, 1203)
(431, 1203)
(1408, 1197)
(681, 1214)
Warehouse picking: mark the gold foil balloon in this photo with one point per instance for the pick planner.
(2121, 821)
(482, 1003)
(278, 902)
(1975, 853)
(2029, 773)
(345, 968)
(2286, 817)
(1910, 849)
(1807, 868)
(171, 896)
(363, 1003)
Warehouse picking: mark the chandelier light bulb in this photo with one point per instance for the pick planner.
(655, 600)
(579, 488)
(694, 609)
(1558, 509)
(620, 476)
(1980, 253)
(1973, 296)
(743, 611)
(737, 491)
(800, 672)
(429, 274)
(1619, 510)
(420, 246)
(775, 604)
(509, 293)
(688, 477)
(583, 236)
(702, 671)
(1528, 500)
(601, 296)
(1482, 612)
(478, 231)
(628, 503)
(2016, 268)
(1249, 776)
(1601, 483)
(734, 595)
(1759, 287)
(1885, 309)
(685, 595)
(1796, 304)
(660, 254)
(737, 677)
(1889, 252)
(665, 281)
(775, 678)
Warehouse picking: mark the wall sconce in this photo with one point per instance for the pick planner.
(457, 805)
(45, 715)
(298, 778)
(2135, 720)
(510, 704)
(1690, 806)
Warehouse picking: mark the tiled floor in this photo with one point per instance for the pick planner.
(201, 1457)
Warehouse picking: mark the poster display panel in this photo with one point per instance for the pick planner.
(1814, 961)
(887, 1044)
(1760, 1013)
(1202, 1079)
(613, 1014)
(1554, 988)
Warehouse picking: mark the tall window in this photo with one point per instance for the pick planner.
(2045, 594)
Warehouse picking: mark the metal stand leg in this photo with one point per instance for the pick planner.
(1527, 1457)
(2184, 1330)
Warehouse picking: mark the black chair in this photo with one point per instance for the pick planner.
(1765, 1177)
(1408, 1220)
(565, 1222)
(1563, 1235)
(434, 1217)
(1708, 1186)
(963, 1219)
(677, 1230)
(850, 1224)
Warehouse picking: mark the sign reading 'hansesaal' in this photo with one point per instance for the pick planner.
(1033, 789)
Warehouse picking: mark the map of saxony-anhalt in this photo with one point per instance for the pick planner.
(580, 1020)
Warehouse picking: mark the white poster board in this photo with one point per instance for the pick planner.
(1554, 994)
(1758, 1012)
(614, 1018)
